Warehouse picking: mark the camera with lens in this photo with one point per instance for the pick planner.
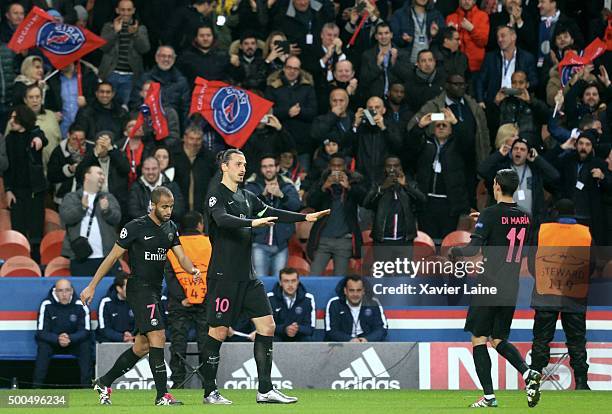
(368, 117)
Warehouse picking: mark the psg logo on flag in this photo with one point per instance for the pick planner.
(145, 110)
(61, 39)
(567, 72)
(231, 109)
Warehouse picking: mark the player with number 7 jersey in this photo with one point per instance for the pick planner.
(501, 233)
(147, 240)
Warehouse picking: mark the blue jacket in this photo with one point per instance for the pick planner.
(303, 312)
(114, 317)
(55, 318)
(281, 232)
(488, 81)
(339, 320)
(402, 22)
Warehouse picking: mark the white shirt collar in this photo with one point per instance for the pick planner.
(450, 102)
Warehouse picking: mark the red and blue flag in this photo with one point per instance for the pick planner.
(61, 43)
(233, 112)
(152, 112)
(573, 62)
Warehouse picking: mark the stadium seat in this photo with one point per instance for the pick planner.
(607, 270)
(13, 243)
(482, 195)
(300, 264)
(5, 219)
(524, 267)
(296, 248)
(124, 266)
(2, 194)
(20, 266)
(432, 266)
(51, 246)
(453, 239)
(355, 267)
(59, 266)
(329, 269)
(302, 230)
(52, 221)
(366, 238)
(423, 246)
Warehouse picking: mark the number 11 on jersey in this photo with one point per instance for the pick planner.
(512, 236)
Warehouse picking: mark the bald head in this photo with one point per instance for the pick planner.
(343, 72)
(375, 104)
(63, 291)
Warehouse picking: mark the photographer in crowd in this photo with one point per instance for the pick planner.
(374, 139)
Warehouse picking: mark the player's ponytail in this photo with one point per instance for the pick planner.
(223, 157)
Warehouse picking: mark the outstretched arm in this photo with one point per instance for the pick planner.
(285, 216)
(223, 219)
(88, 293)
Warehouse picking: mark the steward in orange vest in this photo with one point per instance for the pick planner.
(185, 297)
(196, 246)
(561, 265)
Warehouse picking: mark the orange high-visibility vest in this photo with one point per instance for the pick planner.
(562, 261)
(199, 250)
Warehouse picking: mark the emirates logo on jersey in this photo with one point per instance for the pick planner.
(160, 256)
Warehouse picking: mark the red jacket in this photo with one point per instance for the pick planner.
(473, 43)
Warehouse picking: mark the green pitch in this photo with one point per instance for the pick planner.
(330, 401)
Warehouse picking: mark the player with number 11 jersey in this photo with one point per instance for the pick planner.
(501, 233)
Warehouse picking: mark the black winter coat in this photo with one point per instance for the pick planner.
(95, 118)
(58, 172)
(55, 319)
(203, 170)
(140, 196)
(528, 116)
(320, 200)
(266, 141)
(453, 167)
(411, 200)
(303, 312)
(371, 146)
(284, 97)
(372, 76)
(176, 92)
(114, 317)
(213, 65)
(591, 194)
(89, 83)
(542, 172)
(329, 125)
(419, 90)
(251, 75)
(339, 320)
(296, 30)
(25, 170)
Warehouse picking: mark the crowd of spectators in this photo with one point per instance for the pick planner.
(355, 86)
(395, 115)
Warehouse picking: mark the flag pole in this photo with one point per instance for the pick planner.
(50, 75)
